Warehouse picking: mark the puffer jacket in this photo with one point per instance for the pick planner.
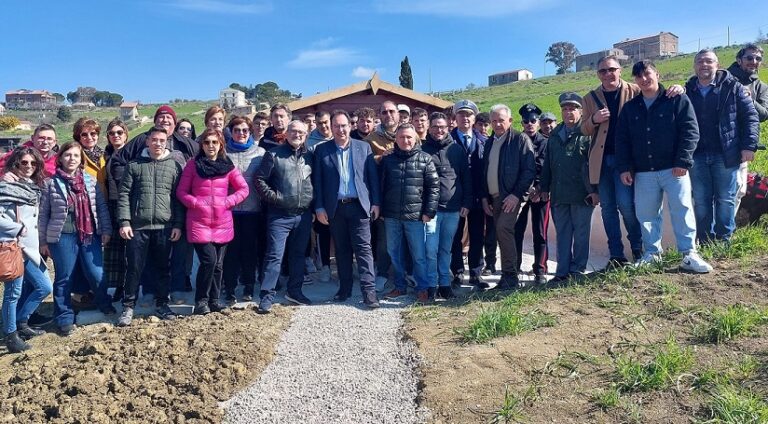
(54, 208)
(410, 186)
(134, 149)
(26, 197)
(284, 180)
(757, 88)
(209, 204)
(453, 171)
(517, 165)
(147, 199)
(738, 123)
(247, 162)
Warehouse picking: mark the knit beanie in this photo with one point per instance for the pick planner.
(165, 109)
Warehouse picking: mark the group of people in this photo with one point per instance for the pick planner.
(402, 191)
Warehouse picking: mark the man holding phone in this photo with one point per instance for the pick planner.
(565, 183)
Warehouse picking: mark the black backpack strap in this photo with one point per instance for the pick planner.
(600, 104)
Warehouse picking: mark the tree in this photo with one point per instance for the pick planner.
(268, 92)
(59, 97)
(761, 37)
(64, 114)
(406, 76)
(562, 54)
(9, 123)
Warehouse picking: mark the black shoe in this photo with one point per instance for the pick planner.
(540, 279)
(84, 302)
(202, 308)
(478, 283)
(39, 320)
(230, 302)
(559, 281)
(339, 297)
(298, 299)
(457, 280)
(431, 292)
(265, 305)
(489, 270)
(508, 281)
(166, 313)
(26, 332)
(214, 306)
(637, 254)
(66, 330)
(616, 262)
(446, 292)
(108, 310)
(15, 344)
(370, 300)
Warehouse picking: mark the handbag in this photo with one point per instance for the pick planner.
(11, 258)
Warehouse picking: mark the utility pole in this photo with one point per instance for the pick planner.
(729, 36)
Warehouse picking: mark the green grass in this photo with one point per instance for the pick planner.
(746, 241)
(606, 399)
(734, 405)
(511, 409)
(669, 361)
(731, 322)
(511, 316)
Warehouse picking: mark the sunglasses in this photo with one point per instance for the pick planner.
(240, 130)
(751, 58)
(114, 133)
(28, 162)
(92, 134)
(607, 70)
(210, 142)
(530, 121)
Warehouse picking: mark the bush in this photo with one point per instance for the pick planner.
(8, 122)
(64, 114)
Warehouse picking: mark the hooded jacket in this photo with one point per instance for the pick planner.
(209, 204)
(757, 88)
(738, 123)
(410, 186)
(452, 168)
(134, 149)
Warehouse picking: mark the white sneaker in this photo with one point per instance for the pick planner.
(694, 263)
(325, 274)
(309, 264)
(381, 281)
(648, 259)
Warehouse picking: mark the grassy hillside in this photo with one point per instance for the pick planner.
(545, 91)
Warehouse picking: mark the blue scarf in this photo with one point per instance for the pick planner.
(238, 147)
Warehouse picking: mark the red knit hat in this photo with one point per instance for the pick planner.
(165, 109)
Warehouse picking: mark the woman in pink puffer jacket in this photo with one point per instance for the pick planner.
(210, 187)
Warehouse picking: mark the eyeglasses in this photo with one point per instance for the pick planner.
(92, 134)
(48, 139)
(114, 133)
(530, 121)
(750, 58)
(28, 163)
(607, 70)
(240, 130)
(439, 127)
(211, 142)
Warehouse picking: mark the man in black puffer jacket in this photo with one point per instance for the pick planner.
(455, 201)
(410, 193)
(283, 180)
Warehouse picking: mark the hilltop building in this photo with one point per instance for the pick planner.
(663, 44)
(230, 98)
(30, 99)
(129, 111)
(509, 76)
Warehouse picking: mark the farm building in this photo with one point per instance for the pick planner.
(30, 99)
(587, 62)
(370, 93)
(509, 76)
(230, 98)
(129, 111)
(663, 44)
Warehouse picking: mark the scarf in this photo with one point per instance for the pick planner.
(239, 147)
(280, 138)
(77, 196)
(94, 154)
(207, 168)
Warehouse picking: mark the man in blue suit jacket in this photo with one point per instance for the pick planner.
(347, 197)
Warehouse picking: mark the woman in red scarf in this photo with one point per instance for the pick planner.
(74, 223)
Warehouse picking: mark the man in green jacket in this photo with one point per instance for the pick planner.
(565, 182)
(150, 218)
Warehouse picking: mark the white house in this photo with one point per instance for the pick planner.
(2, 110)
(129, 111)
(510, 76)
(230, 98)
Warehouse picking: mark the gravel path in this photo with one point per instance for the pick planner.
(337, 363)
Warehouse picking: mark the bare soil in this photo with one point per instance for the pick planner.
(151, 372)
(561, 368)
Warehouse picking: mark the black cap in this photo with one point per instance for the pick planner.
(570, 98)
(529, 111)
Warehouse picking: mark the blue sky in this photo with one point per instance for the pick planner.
(156, 50)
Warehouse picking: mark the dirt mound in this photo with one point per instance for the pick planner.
(152, 372)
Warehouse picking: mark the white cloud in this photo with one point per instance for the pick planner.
(324, 57)
(476, 8)
(225, 7)
(363, 72)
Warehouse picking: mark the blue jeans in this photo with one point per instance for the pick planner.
(714, 197)
(65, 254)
(15, 311)
(650, 188)
(413, 233)
(291, 232)
(573, 224)
(616, 197)
(440, 232)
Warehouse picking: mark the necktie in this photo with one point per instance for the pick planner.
(468, 143)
